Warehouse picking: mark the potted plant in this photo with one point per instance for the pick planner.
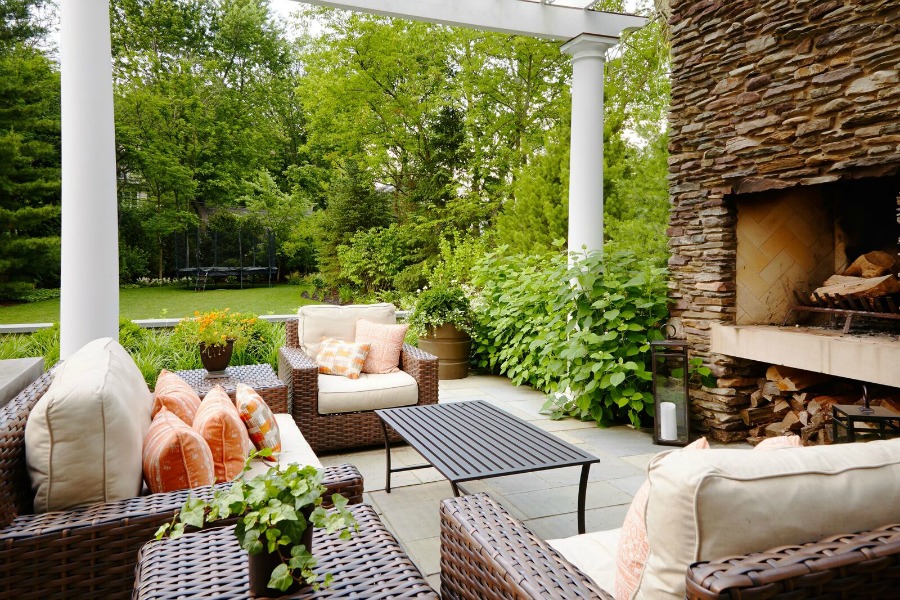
(442, 319)
(215, 332)
(276, 512)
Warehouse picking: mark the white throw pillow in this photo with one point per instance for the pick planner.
(719, 503)
(84, 437)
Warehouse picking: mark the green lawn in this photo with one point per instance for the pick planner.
(154, 303)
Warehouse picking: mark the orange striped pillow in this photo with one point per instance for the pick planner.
(258, 418)
(175, 457)
(220, 424)
(175, 394)
(337, 357)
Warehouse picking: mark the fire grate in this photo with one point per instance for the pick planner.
(884, 307)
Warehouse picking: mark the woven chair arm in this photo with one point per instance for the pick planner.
(297, 359)
(487, 553)
(424, 369)
(345, 480)
(859, 565)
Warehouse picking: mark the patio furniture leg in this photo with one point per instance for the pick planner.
(455, 489)
(387, 462)
(582, 495)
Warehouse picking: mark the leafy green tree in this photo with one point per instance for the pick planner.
(29, 166)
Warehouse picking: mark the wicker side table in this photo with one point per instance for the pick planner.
(261, 378)
(210, 564)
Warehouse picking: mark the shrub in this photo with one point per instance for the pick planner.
(585, 329)
(441, 305)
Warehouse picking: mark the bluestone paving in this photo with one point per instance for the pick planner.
(546, 501)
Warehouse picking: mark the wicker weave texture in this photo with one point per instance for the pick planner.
(334, 432)
(210, 564)
(864, 565)
(488, 554)
(88, 552)
(260, 377)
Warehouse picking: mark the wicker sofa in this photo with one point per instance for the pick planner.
(486, 553)
(91, 551)
(340, 431)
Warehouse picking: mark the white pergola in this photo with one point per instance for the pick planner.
(89, 304)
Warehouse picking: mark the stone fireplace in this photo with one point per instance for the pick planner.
(784, 168)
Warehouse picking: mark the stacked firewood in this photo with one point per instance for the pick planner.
(793, 401)
(872, 275)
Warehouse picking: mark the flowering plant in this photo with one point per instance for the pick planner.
(215, 327)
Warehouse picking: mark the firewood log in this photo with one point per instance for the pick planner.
(861, 287)
(793, 380)
(872, 264)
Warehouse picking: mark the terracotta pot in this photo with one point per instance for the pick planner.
(215, 359)
(260, 567)
(452, 347)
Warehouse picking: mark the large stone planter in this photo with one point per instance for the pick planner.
(452, 348)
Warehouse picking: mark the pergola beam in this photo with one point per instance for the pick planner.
(534, 19)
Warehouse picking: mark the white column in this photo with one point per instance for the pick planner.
(89, 306)
(586, 162)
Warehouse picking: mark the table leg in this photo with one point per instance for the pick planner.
(582, 495)
(387, 452)
(455, 489)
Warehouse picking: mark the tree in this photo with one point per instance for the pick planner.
(29, 166)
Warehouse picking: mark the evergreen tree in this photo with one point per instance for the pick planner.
(29, 159)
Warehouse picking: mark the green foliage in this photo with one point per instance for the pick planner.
(273, 511)
(457, 257)
(380, 258)
(585, 328)
(440, 305)
(44, 342)
(29, 163)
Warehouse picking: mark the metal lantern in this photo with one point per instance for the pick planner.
(671, 423)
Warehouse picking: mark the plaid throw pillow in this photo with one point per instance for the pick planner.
(260, 421)
(341, 358)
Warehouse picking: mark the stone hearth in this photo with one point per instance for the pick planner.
(770, 99)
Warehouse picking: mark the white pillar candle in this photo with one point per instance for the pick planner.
(667, 428)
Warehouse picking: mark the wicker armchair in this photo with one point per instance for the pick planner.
(332, 432)
(488, 554)
(87, 552)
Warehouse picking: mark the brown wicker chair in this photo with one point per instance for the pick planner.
(333, 432)
(88, 552)
(488, 554)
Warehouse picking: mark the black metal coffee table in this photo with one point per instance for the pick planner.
(474, 440)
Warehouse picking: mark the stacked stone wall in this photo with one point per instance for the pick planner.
(766, 95)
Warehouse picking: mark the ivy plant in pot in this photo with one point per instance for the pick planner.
(442, 320)
(216, 332)
(276, 512)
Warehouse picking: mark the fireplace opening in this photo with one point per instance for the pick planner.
(792, 242)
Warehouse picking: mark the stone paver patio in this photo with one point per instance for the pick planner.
(545, 501)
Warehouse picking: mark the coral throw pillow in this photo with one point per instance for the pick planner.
(175, 394)
(633, 549)
(175, 456)
(219, 423)
(260, 421)
(341, 358)
(385, 344)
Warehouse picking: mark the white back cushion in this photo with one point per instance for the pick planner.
(84, 437)
(318, 321)
(714, 504)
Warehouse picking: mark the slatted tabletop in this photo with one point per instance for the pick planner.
(210, 564)
(475, 440)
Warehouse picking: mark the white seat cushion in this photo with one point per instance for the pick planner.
(594, 553)
(383, 390)
(719, 503)
(294, 448)
(317, 321)
(84, 438)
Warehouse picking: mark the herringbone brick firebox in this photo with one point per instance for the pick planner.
(784, 168)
